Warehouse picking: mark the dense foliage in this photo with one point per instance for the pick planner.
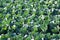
(29, 19)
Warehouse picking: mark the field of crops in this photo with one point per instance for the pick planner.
(29, 19)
